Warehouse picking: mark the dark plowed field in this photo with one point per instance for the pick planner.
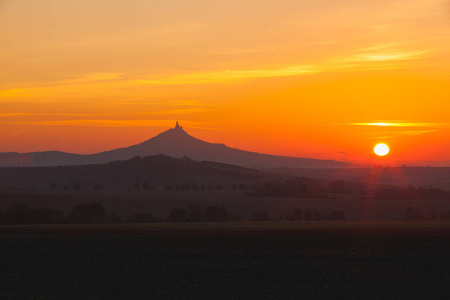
(202, 263)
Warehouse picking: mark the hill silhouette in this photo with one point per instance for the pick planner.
(159, 183)
(175, 142)
(158, 170)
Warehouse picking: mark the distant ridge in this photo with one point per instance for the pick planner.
(175, 142)
(159, 170)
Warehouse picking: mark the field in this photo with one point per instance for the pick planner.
(278, 260)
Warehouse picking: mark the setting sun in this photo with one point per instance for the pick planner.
(381, 149)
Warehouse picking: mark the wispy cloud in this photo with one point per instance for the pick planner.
(398, 128)
(114, 123)
(405, 132)
(10, 92)
(93, 77)
(123, 115)
(42, 90)
(90, 78)
(176, 111)
(28, 114)
(369, 57)
(226, 75)
(401, 124)
(92, 123)
(383, 53)
(383, 46)
(416, 132)
(182, 103)
(384, 56)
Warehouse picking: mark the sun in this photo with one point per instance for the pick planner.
(381, 149)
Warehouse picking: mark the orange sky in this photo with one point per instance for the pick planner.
(301, 78)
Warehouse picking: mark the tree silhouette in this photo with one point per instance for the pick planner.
(296, 215)
(178, 215)
(308, 215)
(113, 218)
(216, 214)
(337, 215)
(261, 216)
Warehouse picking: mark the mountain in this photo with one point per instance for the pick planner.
(175, 142)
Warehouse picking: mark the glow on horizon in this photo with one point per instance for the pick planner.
(403, 124)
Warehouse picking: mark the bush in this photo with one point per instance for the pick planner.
(337, 215)
(296, 215)
(178, 215)
(216, 214)
(261, 216)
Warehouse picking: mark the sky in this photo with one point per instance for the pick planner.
(325, 79)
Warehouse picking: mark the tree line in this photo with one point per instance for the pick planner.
(310, 188)
(92, 213)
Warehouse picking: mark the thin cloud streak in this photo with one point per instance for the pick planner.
(401, 124)
(10, 92)
(175, 103)
(94, 123)
(227, 75)
(88, 78)
(396, 128)
(384, 46)
(91, 77)
(406, 132)
(385, 56)
(163, 112)
(356, 61)
(417, 132)
(109, 123)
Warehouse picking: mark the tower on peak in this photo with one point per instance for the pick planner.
(177, 126)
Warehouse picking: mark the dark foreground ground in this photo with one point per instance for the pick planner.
(226, 261)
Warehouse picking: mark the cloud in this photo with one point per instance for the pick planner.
(22, 114)
(414, 128)
(91, 77)
(382, 53)
(227, 75)
(407, 132)
(62, 115)
(181, 103)
(113, 123)
(401, 124)
(10, 92)
(386, 56)
(93, 123)
(384, 46)
(416, 132)
(380, 56)
(34, 88)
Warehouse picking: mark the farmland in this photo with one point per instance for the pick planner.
(276, 260)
